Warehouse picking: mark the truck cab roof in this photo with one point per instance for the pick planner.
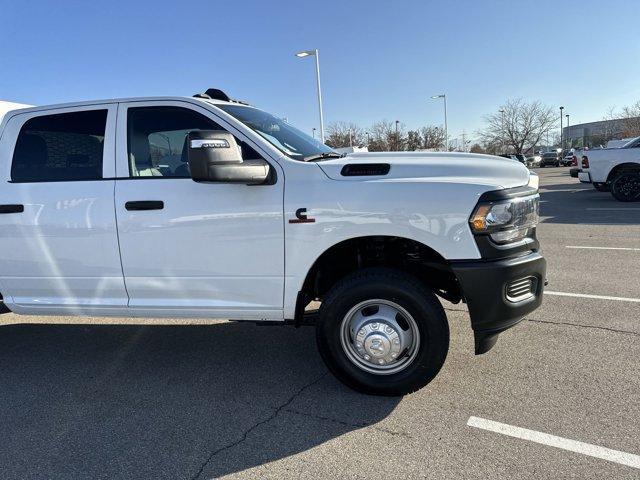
(6, 107)
(23, 107)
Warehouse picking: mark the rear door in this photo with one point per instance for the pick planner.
(57, 222)
(193, 249)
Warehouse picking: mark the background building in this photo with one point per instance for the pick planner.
(595, 134)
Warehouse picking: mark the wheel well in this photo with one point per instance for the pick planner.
(623, 168)
(399, 253)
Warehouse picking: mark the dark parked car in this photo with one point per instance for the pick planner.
(567, 160)
(550, 158)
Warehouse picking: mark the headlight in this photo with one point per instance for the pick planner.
(506, 221)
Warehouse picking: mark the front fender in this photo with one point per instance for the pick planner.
(431, 213)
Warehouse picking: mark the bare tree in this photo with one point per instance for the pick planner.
(433, 137)
(425, 138)
(345, 134)
(630, 124)
(518, 125)
(414, 140)
(384, 139)
(623, 123)
(477, 148)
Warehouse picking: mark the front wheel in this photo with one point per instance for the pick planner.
(382, 332)
(626, 187)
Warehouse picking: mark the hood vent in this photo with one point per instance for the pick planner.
(365, 169)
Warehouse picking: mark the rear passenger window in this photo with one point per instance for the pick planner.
(61, 147)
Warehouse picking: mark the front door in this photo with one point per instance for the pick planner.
(193, 249)
(57, 222)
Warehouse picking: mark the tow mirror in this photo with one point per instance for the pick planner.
(214, 156)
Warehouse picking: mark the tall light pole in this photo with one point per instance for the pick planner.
(397, 139)
(307, 53)
(446, 132)
(368, 139)
(313, 132)
(561, 109)
(567, 115)
(502, 130)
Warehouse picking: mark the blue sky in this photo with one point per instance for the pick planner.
(379, 59)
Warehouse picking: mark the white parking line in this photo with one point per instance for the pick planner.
(630, 249)
(597, 297)
(596, 451)
(614, 208)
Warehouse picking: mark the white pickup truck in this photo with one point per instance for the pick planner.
(208, 207)
(613, 169)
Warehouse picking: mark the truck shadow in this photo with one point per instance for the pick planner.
(178, 401)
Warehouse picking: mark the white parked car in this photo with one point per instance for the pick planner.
(613, 169)
(534, 160)
(209, 207)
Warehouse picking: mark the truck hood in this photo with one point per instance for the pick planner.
(487, 170)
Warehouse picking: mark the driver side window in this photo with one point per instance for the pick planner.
(157, 138)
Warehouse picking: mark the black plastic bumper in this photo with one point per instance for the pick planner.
(3, 307)
(484, 287)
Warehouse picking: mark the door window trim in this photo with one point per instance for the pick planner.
(122, 150)
(16, 122)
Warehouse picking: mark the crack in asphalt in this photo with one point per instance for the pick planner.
(247, 432)
(348, 424)
(596, 327)
(608, 329)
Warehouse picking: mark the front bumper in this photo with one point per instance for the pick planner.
(485, 286)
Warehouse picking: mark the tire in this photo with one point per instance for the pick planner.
(626, 187)
(367, 300)
(602, 187)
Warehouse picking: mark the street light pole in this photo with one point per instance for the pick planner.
(561, 109)
(567, 115)
(397, 139)
(502, 130)
(446, 130)
(307, 53)
(313, 132)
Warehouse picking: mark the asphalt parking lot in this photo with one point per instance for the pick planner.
(198, 400)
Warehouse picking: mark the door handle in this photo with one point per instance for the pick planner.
(145, 205)
(11, 209)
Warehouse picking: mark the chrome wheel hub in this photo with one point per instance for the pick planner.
(380, 337)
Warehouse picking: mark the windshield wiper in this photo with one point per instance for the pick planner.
(321, 156)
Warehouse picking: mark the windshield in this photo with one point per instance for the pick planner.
(289, 140)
